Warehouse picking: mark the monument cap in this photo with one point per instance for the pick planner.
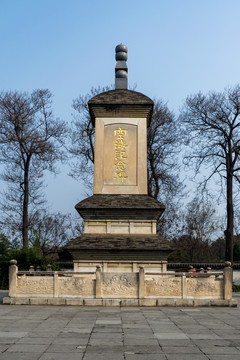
(121, 70)
(121, 52)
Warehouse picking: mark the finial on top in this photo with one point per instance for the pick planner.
(121, 70)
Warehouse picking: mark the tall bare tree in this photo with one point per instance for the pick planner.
(197, 228)
(213, 131)
(163, 144)
(30, 142)
(82, 137)
(51, 231)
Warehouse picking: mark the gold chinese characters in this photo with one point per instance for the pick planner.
(120, 159)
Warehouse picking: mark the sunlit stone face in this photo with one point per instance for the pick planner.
(120, 156)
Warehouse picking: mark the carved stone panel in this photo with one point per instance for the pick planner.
(120, 285)
(209, 287)
(82, 286)
(39, 286)
(162, 286)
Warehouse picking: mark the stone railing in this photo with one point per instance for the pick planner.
(119, 288)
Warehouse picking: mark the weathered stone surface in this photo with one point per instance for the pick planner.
(111, 302)
(158, 285)
(35, 286)
(56, 301)
(6, 300)
(38, 301)
(129, 302)
(21, 301)
(120, 285)
(83, 286)
(166, 302)
(147, 302)
(184, 302)
(77, 302)
(92, 302)
(205, 287)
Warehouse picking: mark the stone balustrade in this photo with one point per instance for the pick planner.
(118, 288)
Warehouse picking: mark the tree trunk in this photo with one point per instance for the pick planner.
(229, 230)
(25, 205)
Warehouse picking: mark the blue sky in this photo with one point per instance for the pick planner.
(176, 48)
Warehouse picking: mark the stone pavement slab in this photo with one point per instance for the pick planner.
(171, 336)
(19, 356)
(129, 356)
(223, 350)
(8, 340)
(32, 340)
(118, 333)
(12, 334)
(27, 348)
(96, 356)
(181, 350)
(143, 349)
(187, 357)
(66, 348)
(223, 357)
(60, 356)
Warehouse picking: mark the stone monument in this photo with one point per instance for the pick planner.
(120, 219)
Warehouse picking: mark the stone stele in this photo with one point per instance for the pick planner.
(120, 219)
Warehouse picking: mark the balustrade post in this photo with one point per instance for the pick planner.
(184, 286)
(55, 285)
(13, 270)
(98, 283)
(227, 280)
(141, 285)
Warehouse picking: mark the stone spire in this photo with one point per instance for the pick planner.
(121, 70)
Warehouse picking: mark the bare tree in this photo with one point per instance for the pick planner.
(30, 142)
(163, 145)
(163, 148)
(196, 230)
(213, 131)
(82, 137)
(52, 231)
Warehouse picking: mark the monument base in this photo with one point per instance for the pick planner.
(120, 266)
(120, 302)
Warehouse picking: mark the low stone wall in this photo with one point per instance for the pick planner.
(143, 288)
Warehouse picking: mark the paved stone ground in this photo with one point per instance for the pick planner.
(94, 333)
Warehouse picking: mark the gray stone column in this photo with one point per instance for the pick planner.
(227, 281)
(98, 283)
(13, 269)
(141, 283)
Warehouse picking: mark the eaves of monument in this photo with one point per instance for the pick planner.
(121, 103)
(102, 206)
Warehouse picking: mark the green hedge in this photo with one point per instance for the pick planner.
(25, 257)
